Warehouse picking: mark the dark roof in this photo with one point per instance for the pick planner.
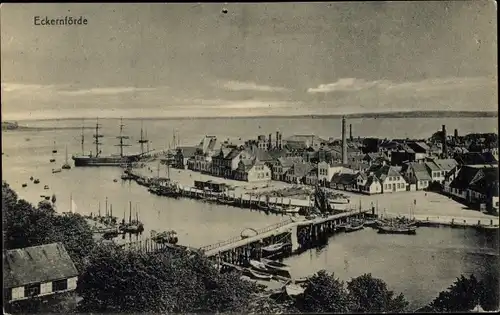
(419, 147)
(246, 165)
(464, 177)
(475, 158)
(289, 161)
(234, 153)
(486, 181)
(37, 264)
(371, 179)
(278, 153)
(304, 138)
(301, 169)
(260, 154)
(385, 171)
(344, 179)
(446, 164)
(432, 166)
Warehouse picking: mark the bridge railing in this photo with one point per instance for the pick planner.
(239, 238)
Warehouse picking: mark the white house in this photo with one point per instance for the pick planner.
(438, 168)
(417, 174)
(37, 271)
(390, 179)
(371, 185)
(327, 170)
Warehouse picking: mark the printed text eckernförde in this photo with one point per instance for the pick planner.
(60, 21)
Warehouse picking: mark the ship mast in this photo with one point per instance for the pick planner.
(121, 137)
(142, 140)
(96, 137)
(83, 136)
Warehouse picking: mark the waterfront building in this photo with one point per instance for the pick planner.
(476, 185)
(221, 165)
(312, 177)
(327, 170)
(252, 170)
(390, 178)
(417, 174)
(282, 165)
(368, 184)
(202, 159)
(438, 168)
(182, 156)
(344, 181)
(37, 271)
(297, 172)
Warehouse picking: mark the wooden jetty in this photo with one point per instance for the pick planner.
(298, 235)
(485, 224)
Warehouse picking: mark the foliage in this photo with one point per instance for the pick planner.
(461, 296)
(324, 294)
(489, 294)
(115, 280)
(63, 303)
(26, 225)
(368, 294)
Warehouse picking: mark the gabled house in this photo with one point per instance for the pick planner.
(327, 170)
(369, 184)
(438, 168)
(390, 178)
(37, 271)
(182, 156)
(343, 181)
(282, 165)
(252, 170)
(420, 148)
(202, 159)
(477, 184)
(312, 177)
(417, 174)
(376, 158)
(297, 173)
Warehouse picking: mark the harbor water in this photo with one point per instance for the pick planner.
(419, 266)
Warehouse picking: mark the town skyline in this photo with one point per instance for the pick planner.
(193, 60)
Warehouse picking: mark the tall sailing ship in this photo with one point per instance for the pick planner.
(111, 160)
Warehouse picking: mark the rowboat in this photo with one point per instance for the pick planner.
(271, 264)
(404, 229)
(300, 280)
(259, 266)
(274, 248)
(370, 223)
(257, 275)
(354, 225)
(263, 267)
(293, 290)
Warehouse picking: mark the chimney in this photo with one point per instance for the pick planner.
(270, 143)
(350, 132)
(456, 134)
(445, 149)
(344, 142)
(277, 140)
(280, 142)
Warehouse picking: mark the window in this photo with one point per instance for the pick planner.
(7, 293)
(267, 174)
(60, 285)
(32, 290)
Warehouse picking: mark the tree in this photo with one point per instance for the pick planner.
(26, 225)
(324, 294)
(368, 294)
(489, 291)
(461, 296)
(115, 280)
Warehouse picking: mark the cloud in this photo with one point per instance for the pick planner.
(423, 86)
(344, 85)
(249, 86)
(107, 91)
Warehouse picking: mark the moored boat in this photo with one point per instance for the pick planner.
(274, 248)
(56, 170)
(24, 185)
(397, 229)
(46, 187)
(271, 264)
(52, 160)
(36, 181)
(168, 237)
(354, 226)
(66, 165)
(257, 274)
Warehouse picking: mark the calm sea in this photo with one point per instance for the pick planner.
(419, 266)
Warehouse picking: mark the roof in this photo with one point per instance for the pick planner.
(301, 169)
(371, 179)
(471, 158)
(36, 264)
(278, 153)
(432, 166)
(446, 164)
(486, 182)
(304, 138)
(344, 178)
(289, 161)
(260, 154)
(234, 153)
(385, 171)
(419, 147)
(246, 164)
(420, 171)
(464, 177)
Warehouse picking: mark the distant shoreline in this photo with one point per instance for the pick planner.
(408, 114)
(21, 128)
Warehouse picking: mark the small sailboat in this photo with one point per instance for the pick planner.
(24, 185)
(66, 165)
(54, 198)
(46, 187)
(355, 225)
(31, 178)
(52, 160)
(54, 150)
(56, 170)
(72, 207)
(36, 181)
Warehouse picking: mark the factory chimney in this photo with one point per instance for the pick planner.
(270, 143)
(456, 134)
(277, 140)
(350, 132)
(280, 142)
(344, 142)
(445, 148)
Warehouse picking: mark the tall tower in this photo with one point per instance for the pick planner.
(344, 142)
(277, 140)
(270, 143)
(350, 132)
(445, 147)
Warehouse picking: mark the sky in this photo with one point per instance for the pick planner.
(194, 60)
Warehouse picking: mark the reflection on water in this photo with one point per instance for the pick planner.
(419, 266)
